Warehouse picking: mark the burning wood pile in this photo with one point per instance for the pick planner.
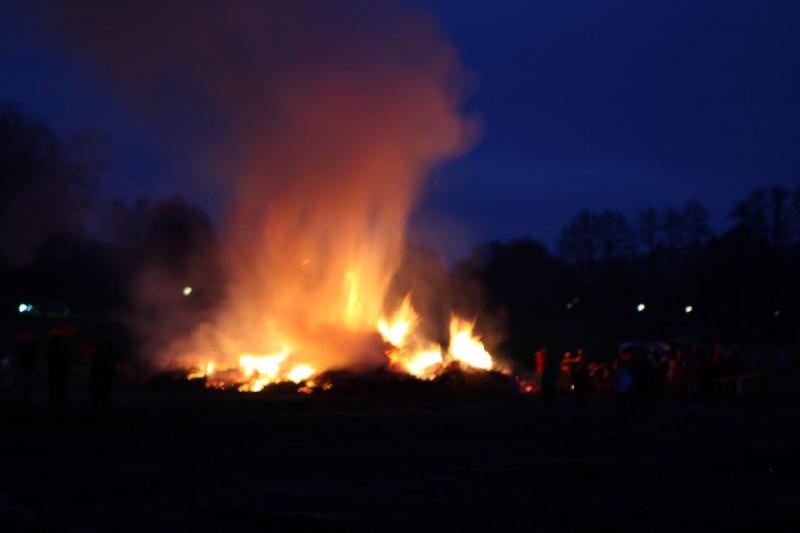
(405, 349)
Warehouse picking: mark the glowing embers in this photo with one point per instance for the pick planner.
(420, 357)
(254, 372)
(204, 372)
(421, 363)
(262, 370)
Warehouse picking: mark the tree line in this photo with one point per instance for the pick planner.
(660, 275)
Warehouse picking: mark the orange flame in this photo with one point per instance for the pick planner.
(466, 347)
(422, 358)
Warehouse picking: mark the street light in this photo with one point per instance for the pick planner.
(688, 309)
(641, 307)
(187, 290)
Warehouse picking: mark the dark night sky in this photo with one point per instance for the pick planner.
(602, 104)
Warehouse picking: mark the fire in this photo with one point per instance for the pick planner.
(407, 351)
(421, 363)
(467, 348)
(205, 372)
(300, 373)
(354, 310)
(266, 366)
(258, 371)
(421, 357)
(396, 329)
(322, 162)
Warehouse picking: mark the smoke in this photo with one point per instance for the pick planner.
(320, 119)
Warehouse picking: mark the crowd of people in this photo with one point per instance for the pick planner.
(641, 372)
(57, 350)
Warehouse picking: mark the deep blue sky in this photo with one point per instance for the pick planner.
(601, 104)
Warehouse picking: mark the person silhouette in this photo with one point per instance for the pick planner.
(58, 363)
(101, 374)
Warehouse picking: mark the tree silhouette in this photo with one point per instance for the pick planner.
(48, 183)
(649, 230)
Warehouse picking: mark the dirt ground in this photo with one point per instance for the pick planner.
(192, 461)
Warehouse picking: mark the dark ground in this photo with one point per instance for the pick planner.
(183, 461)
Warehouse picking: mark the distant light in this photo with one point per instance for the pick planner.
(688, 309)
(641, 307)
(25, 308)
(187, 290)
(569, 305)
(777, 313)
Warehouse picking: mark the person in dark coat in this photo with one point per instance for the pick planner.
(25, 366)
(550, 375)
(58, 362)
(581, 377)
(101, 374)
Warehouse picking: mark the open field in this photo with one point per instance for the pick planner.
(203, 461)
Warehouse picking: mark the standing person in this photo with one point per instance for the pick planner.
(691, 372)
(674, 371)
(645, 377)
(101, 374)
(705, 374)
(540, 357)
(24, 367)
(623, 385)
(58, 362)
(6, 377)
(581, 377)
(550, 375)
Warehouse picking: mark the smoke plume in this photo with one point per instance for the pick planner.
(321, 119)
